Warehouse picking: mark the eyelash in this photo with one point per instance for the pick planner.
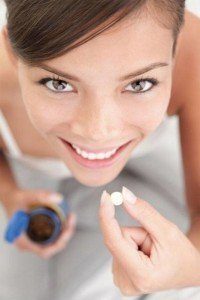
(153, 81)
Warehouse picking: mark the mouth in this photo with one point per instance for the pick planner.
(95, 163)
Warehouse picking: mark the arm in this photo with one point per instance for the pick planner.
(7, 181)
(186, 95)
(14, 199)
(190, 142)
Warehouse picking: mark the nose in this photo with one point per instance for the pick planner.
(98, 122)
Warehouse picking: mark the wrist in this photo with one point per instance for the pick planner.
(6, 196)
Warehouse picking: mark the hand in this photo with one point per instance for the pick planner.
(156, 256)
(22, 199)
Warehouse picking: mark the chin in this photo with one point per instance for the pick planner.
(96, 181)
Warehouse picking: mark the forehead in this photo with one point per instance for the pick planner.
(135, 40)
(132, 38)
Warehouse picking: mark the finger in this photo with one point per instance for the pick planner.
(139, 238)
(146, 214)
(127, 235)
(25, 244)
(67, 230)
(147, 245)
(44, 196)
(53, 197)
(113, 236)
(20, 243)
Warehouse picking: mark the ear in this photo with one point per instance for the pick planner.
(9, 50)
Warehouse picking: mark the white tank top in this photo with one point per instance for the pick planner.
(56, 168)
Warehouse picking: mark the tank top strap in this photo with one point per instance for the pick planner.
(8, 138)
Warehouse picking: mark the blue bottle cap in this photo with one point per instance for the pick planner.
(16, 225)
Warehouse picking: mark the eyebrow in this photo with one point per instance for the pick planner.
(130, 75)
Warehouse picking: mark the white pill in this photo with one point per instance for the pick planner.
(116, 198)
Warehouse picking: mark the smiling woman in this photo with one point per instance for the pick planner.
(85, 86)
(51, 78)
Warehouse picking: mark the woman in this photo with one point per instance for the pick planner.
(94, 126)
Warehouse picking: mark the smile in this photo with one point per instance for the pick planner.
(95, 160)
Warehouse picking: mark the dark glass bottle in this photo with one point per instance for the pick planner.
(42, 224)
(45, 223)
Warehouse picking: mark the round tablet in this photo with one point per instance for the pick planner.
(116, 198)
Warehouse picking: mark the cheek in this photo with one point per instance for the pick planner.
(147, 114)
(46, 115)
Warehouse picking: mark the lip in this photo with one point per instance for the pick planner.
(96, 163)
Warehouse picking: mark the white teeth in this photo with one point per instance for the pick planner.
(92, 156)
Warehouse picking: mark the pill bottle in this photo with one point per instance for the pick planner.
(41, 223)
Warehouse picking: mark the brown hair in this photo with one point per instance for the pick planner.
(44, 29)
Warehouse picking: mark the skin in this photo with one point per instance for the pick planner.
(158, 255)
(106, 117)
(100, 118)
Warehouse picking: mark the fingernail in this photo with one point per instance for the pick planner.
(57, 197)
(128, 195)
(104, 198)
(107, 205)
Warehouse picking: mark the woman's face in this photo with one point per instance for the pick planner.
(100, 109)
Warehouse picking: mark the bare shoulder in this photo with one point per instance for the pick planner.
(3, 70)
(187, 90)
(1, 85)
(7, 74)
(186, 72)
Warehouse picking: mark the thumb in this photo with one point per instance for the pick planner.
(138, 237)
(42, 197)
(146, 215)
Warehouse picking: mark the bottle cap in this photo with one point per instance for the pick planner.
(16, 225)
